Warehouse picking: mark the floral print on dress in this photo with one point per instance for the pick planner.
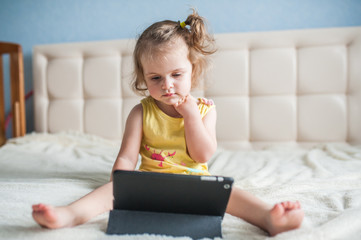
(159, 156)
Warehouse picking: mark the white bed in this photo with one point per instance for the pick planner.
(289, 128)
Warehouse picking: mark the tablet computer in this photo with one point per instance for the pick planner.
(173, 193)
(168, 204)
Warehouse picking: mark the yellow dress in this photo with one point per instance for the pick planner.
(163, 147)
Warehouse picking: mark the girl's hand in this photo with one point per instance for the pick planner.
(187, 106)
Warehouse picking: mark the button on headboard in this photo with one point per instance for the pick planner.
(301, 86)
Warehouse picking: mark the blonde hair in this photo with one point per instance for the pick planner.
(159, 35)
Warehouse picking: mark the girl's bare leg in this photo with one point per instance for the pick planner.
(273, 219)
(96, 202)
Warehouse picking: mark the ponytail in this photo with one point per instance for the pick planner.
(200, 39)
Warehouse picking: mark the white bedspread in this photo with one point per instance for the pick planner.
(60, 168)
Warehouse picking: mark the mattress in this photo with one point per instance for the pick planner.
(62, 167)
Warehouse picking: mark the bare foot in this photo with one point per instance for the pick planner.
(52, 217)
(284, 216)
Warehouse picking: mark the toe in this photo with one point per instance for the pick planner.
(286, 205)
(277, 210)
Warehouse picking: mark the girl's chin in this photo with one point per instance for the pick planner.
(169, 100)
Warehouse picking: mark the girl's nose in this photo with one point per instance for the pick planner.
(168, 83)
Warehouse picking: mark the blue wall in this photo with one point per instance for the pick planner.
(33, 22)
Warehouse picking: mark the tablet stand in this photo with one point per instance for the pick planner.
(173, 224)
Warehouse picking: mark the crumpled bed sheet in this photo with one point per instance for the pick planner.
(59, 168)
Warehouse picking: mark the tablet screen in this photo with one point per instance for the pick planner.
(173, 193)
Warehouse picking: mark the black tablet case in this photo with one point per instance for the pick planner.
(168, 204)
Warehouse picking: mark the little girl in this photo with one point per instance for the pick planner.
(168, 126)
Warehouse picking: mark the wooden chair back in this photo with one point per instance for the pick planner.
(17, 90)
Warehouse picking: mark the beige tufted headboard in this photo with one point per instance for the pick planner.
(297, 87)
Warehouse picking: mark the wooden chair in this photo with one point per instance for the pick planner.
(17, 90)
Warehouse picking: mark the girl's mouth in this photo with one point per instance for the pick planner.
(168, 94)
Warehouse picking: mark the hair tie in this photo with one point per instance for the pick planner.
(183, 24)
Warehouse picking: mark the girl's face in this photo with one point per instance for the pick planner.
(168, 74)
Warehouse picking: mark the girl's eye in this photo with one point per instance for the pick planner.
(177, 74)
(155, 78)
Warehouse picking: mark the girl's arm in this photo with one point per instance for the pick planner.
(200, 133)
(129, 150)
